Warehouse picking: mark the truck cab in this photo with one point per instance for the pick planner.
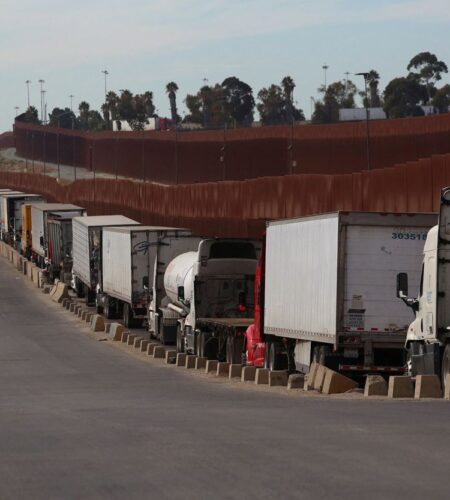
(428, 336)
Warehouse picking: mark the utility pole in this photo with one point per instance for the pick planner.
(41, 82)
(105, 72)
(325, 67)
(28, 92)
(366, 76)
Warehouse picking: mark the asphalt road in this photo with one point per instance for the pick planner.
(82, 419)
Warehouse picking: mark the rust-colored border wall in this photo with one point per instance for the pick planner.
(238, 154)
(240, 208)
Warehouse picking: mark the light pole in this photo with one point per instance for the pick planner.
(346, 79)
(71, 101)
(17, 110)
(105, 72)
(28, 92)
(325, 67)
(366, 75)
(44, 105)
(41, 82)
(312, 102)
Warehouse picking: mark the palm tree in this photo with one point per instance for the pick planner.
(373, 79)
(288, 85)
(171, 90)
(84, 108)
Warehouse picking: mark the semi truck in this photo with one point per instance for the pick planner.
(41, 213)
(208, 297)
(87, 252)
(11, 214)
(324, 292)
(428, 338)
(129, 258)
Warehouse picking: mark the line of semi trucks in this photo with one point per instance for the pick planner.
(331, 288)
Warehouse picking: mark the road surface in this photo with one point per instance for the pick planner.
(81, 418)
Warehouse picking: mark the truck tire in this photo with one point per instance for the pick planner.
(128, 319)
(180, 339)
(207, 346)
(445, 367)
(234, 348)
(108, 311)
(277, 358)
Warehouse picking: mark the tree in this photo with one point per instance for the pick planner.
(84, 109)
(373, 80)
(276, 104)
(95, 121)
(194, 105)
(171, 90)
(427, 71)
(31, 115)
(238, 101)
(402, 97)
(63, 118)
(441, 99)
(337, 95)
(208, 106)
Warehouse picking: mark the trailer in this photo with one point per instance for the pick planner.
(129, 257)
(327, 290)
(41, 213)
(59, 252)
(87, 252)
(209, 297)
(11, 214)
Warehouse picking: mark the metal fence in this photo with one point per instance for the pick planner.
(240, 208)
(238, 154)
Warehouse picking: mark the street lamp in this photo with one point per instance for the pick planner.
(71, 101)
(366, 76)
(41, 82)
(325, 67)
(44, 104)
(17, 110)
(28, 91)
(105, 72)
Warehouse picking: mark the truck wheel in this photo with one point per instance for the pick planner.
(162, 338)
(108, 311)
(234, 349)
(277, 358)
(445, 366)
(180, 339)
(128, 319)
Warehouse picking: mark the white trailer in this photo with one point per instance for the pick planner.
(330, 285)
(40, 214)
(129, 257)
(210, 297)
(87, 251)
(11, 213)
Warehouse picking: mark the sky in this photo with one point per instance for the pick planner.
(144, 44)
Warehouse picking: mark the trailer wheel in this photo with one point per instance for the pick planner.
(277, 357)
(108, 312)
(235, 346)
(180, 339)
(445, 366)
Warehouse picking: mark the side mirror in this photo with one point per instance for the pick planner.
(402, 285)
(181, 293)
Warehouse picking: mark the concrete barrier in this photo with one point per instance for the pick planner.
(97, 323)
(116, 330)
(131, 338)
(400, 387)
(278, 378)
(137, 342)
(84, 314)
(124, 337)
(375, 386)
(72, 306)
(171, 356)
(262, 376)
(159, 352)
(80, 314)
(144, 345)
(447, 387)
(235, 371)
(428, 386)
(190, 361)
(65, 301)
(181, 359)
(107, 327)
(78, 308)
(200, 363)
(35, 276)
(151, 347)
(310, 378)
(68, 304)
(319, 377)
(296, 381)
(47, 289)
(42, 278)
(211, 366)
(30, 270)
(248, 374)
(335, 383)
(222, 369)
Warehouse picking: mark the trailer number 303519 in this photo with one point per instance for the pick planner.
(409, 236)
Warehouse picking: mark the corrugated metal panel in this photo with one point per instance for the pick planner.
(105, 220)
(117, 264)
(301, 278)
(81, 251)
